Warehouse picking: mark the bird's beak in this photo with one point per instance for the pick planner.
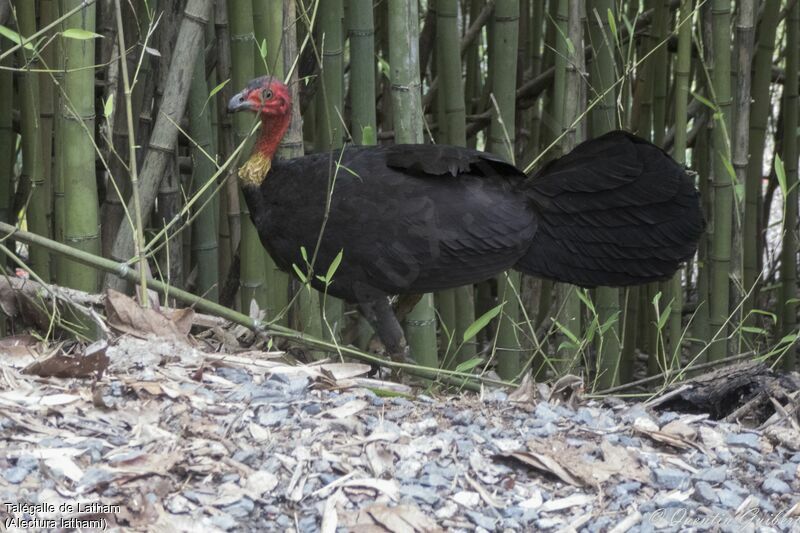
(239, 102)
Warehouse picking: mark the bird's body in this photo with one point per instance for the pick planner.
(406, 218)
(410, 219)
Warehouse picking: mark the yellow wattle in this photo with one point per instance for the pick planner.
(255, 169)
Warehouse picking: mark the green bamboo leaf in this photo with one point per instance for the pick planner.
(304, 254)
(367, 135)
(780, 173)
(772, 316)
(468, 365)
(656, 299)
(706, 102)
(80, 34)
(214, 91)
(108, 106)
(11, 35)
(755, 330)
(612, 23)
(481, 322)
(662, 319)
(383, 67)
(565, 331)
(334, 265)
(583, 296)
(263, 49)
(299, 273)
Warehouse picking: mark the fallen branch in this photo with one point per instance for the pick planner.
(460, 379)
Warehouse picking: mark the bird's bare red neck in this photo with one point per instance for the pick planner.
(273, 128)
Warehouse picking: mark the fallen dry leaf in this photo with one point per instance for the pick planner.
(403, 519)
(92, 364)
(127, 316)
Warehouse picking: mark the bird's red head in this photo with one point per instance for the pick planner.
(266, 96)
(271, 99)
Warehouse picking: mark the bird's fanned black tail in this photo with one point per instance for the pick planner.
(615, 211)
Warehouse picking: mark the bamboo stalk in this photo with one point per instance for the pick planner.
(32, 160)
(723, 191)
(252, 286)
(361, 30)
(503, 43)
(683, 63)
(603, 118)
(448, 55)
(788, 310)
(408, 124)
(752, 241)
(204, 229)
(81, 217)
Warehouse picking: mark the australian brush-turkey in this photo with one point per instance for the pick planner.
(410, 219)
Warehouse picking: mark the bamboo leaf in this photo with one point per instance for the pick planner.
(299, 273)
(755, 330)
(481, 322)
(334, 266)
(214, 91)
(263, 49)
(564, 330)
(706, 102)
(367, 135)
(304, 254)
(612, 23)
(10, 34)
(468, 365)
(80, 34)
(108, 106)
(780, 174)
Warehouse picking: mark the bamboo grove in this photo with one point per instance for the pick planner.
(114, 140)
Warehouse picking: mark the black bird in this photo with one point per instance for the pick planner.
(410, 219)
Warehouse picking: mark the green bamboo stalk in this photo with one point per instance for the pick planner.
(752, 242)
(745, 32)
(567, 91)
(683, 63)
(230, 228)
(329, 110)
(361, 30)
(501, 141)
(788, 300)
(48, 13)
(81, 217)
(701, 328)
(204, 228)
(8, 139)
(660, 73)
(403, 19)
(603, 118)
(460, 379)
(308, 315)
(723, 191)
(448, 55)
(243, 56)
(268, 25)
(32, 161)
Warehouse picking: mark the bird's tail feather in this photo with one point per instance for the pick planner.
(615, 211)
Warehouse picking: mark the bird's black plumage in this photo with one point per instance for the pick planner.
(410, 219)
(417, 218)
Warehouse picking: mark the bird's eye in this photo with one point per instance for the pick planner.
(266, 94)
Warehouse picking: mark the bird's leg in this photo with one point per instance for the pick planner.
(382, 318)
